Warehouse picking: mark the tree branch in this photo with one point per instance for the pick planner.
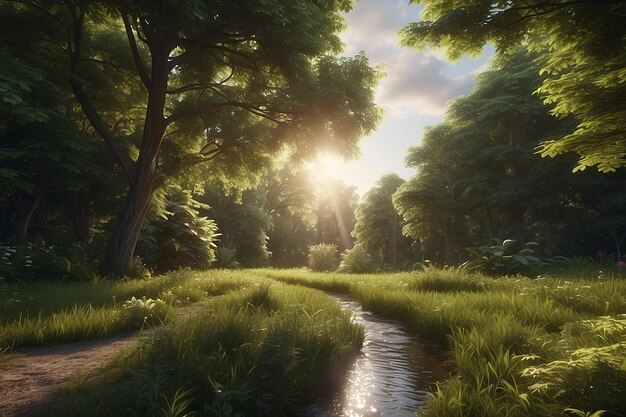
(74, 47)
(139, 64)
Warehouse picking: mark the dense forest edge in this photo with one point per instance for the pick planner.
(163, 156)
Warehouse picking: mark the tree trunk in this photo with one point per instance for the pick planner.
(25, 207)
(119, 255)
(451, 252)
(118, 258)
(81, 216)
(394, 240)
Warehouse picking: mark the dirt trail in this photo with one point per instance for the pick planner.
(30, 378)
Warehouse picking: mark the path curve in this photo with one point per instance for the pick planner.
(31, 377)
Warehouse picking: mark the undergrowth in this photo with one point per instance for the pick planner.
(553, 346)
(263, 351)
(44, 313)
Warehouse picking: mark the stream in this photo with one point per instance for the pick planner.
(391, 376)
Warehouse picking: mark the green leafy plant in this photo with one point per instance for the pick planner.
(226, 257)
(179, 237)
(140, 311)
(506, 257)
(356, 261)
(40, 261)
(323, 257)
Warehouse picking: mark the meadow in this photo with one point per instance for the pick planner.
(264, 342)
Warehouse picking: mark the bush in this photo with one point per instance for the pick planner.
(356, 261)
(39, 261)
(179, 237)
(140, 311)
(507, 257)
(226, 258)
(323, 257)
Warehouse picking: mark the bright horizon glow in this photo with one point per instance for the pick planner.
(413, 95)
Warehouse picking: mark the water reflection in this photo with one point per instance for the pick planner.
(390, 377)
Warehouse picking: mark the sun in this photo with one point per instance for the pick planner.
(326, 167)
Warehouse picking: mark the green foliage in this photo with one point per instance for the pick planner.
(356, 261)
(226, 258)
(591, 375)
(242, 223)
(379, 226)
(582, 50)
(178, 237)
(506, 257)
(144, 311)
(323, 257)
(478, 176)
(289, 200)
(264, 351)
(42, 262)
(216, 119)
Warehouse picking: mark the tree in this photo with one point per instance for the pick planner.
(192, 64)
(506, 122)
(431, 203)
(379, 226)
(241, 221)
(42, 152)
(581, 46)
(479, 176)
(290, 199)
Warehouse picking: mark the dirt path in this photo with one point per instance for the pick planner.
(31, 378)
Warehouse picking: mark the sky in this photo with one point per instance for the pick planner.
(413, 94)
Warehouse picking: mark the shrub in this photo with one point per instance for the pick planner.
(507, 257)
(356, 261)
(39, 261)
(226, 257)
(140, 311)
(323, 257)
(179, 237)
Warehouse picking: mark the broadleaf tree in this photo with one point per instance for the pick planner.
(378, 225)
(191, 64)
(582, 49)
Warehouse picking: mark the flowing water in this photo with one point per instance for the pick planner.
(390, 377)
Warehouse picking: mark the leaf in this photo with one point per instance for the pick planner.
(520, 259)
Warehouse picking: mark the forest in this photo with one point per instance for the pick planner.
(160, 179)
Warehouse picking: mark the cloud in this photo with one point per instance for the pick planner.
(416, 83)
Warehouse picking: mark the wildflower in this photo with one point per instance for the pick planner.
(620, 264)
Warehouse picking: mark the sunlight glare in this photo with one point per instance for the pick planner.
(326, 167)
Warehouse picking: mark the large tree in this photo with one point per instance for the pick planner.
(193, 67)
(582, 46)
(379, 226)
(431, 203)
(480, 178)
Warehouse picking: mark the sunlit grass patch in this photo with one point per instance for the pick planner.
(264, 350)
(43, 313)
(521, 347)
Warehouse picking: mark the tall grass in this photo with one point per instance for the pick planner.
(43, 313)
(521, 347)
(263, 351)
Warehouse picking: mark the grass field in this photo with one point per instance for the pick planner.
(521, 347)
(263, 343)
